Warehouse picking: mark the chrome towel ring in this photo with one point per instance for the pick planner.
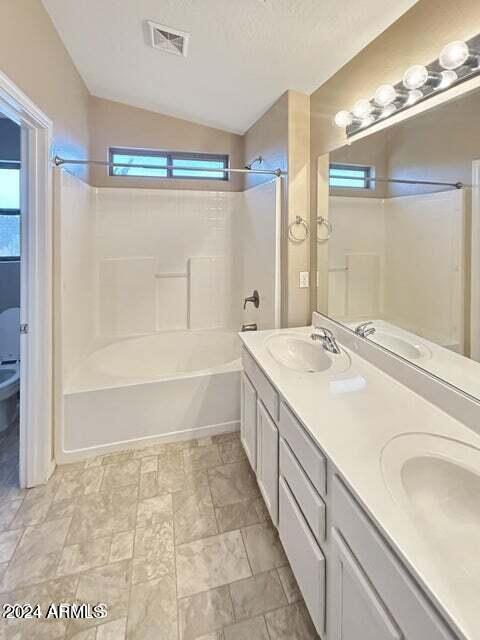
(299, 221)
(323, 222)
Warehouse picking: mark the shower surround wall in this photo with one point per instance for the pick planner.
(400, 259)
(162, 260)
(140, 263)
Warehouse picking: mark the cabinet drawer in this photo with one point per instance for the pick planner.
(307, 454)
(405, 601)
(312, 506)
(265, 390)
(304, 555)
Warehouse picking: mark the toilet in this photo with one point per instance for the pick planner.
(9, 366)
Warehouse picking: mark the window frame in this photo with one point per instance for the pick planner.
(171, 156)
(11, 164)
(368, 177)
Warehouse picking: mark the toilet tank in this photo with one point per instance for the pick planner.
(10, 334)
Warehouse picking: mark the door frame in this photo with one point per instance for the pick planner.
(36, 299)
(475, 265)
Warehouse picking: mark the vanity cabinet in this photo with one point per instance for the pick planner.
(304, 554)
(358, 610)
(259, 431)
(354, 586)
(248, 420)
(267, 460)
(373, 595)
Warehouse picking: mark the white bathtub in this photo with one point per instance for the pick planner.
(139, 391)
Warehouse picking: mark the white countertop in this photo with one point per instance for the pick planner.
(455, 368)
(352, 416)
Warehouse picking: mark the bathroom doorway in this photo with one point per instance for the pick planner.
(28, 233)
(10, 261)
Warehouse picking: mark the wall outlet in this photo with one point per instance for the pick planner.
(304, 280)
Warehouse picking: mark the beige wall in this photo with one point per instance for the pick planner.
(298, 205)
(113, 124)
(282, 137)
(438, 145)
(371, 151)
(35, 59)
(268, 137)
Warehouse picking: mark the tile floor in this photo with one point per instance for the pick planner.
(174, 538)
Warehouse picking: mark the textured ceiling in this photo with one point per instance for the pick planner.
(243, 54)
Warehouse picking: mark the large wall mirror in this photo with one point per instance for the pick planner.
(404, 252)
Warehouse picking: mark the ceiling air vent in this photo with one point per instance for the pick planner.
(168, 39)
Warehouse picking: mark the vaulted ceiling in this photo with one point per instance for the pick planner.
(243, 54)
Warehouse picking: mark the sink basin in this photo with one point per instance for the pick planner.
(409, 349)
(436, 481)
(302, 354)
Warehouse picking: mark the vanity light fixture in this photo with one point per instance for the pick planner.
(457, 54)
(458, 61)
(389, 109)
(362, 108)
(366, 122)
(448, 78)
(418, 76)
(385, 95)
(413, 97)
(344, 119)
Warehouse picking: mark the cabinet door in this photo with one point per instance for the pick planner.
(267, 460)
(248, 423)
(358, 612)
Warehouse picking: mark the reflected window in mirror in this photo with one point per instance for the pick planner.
(351, 176)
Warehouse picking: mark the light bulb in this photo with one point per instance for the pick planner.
(389, 109)
(454, 54)
(385, 95)
(413, 97)
(415, 77)
(343, 119)
(448, 78)
(366, 122)
(362, 108)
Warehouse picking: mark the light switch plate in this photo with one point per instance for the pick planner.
(304, 280)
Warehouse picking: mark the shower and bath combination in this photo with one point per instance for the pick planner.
(168, 365)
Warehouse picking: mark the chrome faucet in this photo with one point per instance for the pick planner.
(327, 339)
(365, 329)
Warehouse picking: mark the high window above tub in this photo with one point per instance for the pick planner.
(147, 163)
(351, 176)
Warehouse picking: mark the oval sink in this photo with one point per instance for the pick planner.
(411, 350)
(301, 354)
(436, 481)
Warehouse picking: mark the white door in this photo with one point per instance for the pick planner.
(267, 460)
(358, 611)
(248, 423)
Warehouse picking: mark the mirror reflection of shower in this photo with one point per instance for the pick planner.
(258, 160)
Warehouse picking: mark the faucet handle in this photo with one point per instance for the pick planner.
(365, 329)
(363, 325)
(322, 332)
(255, 298)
